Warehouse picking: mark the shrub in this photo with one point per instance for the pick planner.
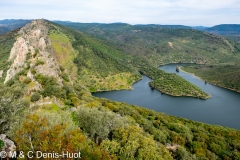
(10, 82)
(1, 144)
(11, 105)
(27, 80)
(53, 132)
(39, 62)
(28, 56)
(36, 51)
(35, 97)
(61, 68)
(33, 71)
(98, 123)
(65, 77)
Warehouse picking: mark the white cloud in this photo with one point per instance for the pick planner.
(187, 12)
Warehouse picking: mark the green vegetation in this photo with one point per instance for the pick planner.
(161, 45)
(39, 62)
(48, 132)
(226, 76)
(172, 84)
(11, 105)
(225, 29)
(205, 141)
(1, 144)
(35, 97)
(100, 67)
(6, 42)
(63, 51)
(9, 25)
(123, 131)
(68, 118)
(51, 87)
(98, 128)
(96, 65)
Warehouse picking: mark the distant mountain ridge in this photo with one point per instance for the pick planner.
(11, 24)
(225, 29)
(162, 44)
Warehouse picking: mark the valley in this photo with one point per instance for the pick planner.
(49, 72)
(225, 76)
(226, 102)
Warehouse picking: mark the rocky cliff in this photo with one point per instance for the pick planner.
(31, 52)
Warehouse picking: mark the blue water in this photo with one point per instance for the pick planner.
(223, 108)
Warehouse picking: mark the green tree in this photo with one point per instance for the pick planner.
(35, 97)
(11, 105)
(54, 131)
(98, 123)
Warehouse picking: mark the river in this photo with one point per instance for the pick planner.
(223, 108)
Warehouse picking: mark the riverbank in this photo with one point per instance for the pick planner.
(221, 109)
(210, 82)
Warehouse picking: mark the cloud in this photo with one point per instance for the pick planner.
(188, 12)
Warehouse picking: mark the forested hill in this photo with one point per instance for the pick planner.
(231, 31)
(97, 66)
(11, 24)
(47, 72)
(163, 45)
(225, 29)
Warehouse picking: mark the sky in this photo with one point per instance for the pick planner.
(183, 12)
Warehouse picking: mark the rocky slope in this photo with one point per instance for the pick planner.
(44, 48)
(30, 51)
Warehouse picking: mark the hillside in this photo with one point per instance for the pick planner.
(164, 45)
(99, 66)
(96, 65)
(226, 76)
(225, 29)
(47, 74)
(11, 24)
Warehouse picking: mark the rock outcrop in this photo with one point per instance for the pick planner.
(29, 51)
(18, 55)
(9, 146)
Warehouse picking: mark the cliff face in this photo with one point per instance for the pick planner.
(31, 52)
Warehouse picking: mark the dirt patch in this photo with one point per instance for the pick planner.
(170, 44)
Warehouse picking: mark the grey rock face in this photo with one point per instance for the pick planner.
(30, 49)
(9, 146)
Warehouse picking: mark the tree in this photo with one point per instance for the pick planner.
(35, 97)
(54, 132)
(98, 123)
(11, 106)
(133, 143)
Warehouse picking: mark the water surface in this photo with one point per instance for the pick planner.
(223, 108)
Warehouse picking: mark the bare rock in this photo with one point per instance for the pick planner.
(34, 86)
(9, 145)
(33, 39)
(42, 44)
(18, 53)
(19, 47)
(173, 147)
(1, 73)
